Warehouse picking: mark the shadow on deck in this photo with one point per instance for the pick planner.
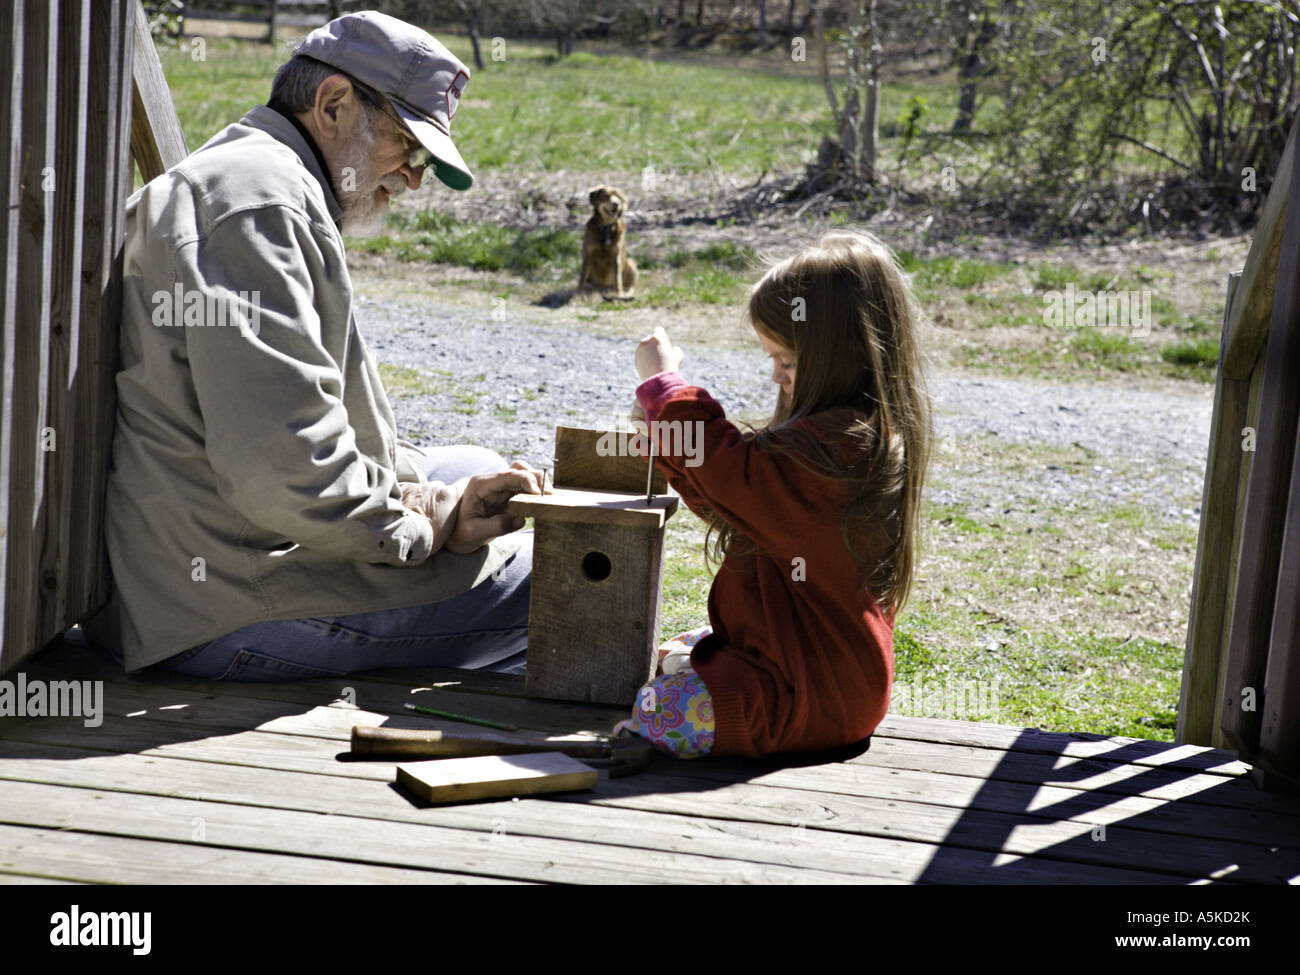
(193, 781)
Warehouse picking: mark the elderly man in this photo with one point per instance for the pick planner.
(264, 521)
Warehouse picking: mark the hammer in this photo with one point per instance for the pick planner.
(627, 753)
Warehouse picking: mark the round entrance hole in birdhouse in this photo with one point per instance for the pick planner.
(596, 566)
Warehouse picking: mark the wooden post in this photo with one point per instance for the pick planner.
(156, 138)
(593, 619)
(57, 561)
(26, 415)
(1212, 580)
(11, 114)
(270, 23)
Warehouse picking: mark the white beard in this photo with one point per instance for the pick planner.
(364, 211)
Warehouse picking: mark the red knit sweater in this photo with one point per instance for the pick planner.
(801, 658)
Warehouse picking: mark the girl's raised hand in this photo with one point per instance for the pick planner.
(657, 354)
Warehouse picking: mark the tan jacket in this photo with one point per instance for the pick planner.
(256, 466)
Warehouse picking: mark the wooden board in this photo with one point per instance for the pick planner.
(591, 507)
(1216, 549)
(494, 776)
(601, 460)
(157, 142)
(1251, 308)
(593, 615)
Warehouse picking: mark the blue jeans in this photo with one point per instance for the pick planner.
(485, 628)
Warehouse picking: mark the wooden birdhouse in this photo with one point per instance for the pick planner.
(593, 619)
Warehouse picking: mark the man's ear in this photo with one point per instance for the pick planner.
(331, 98)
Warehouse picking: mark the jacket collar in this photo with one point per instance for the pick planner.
(287, 129)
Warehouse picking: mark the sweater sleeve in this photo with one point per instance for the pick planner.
(766, 495)
(276, 430)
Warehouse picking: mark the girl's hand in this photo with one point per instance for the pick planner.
(535, 475)
(657, 354)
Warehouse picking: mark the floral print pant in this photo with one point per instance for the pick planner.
(675, 711)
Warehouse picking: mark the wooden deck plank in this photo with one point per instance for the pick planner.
(142, 733)
(382, 696)
(1277, 826)
(283, 748)
(634, 829)
(402, 844)
(211, 713)
(1133, 751)
(1183, 817)
(1085, 774)
(74, 857)
(993, 832)
(873, 856)
(742, 804)
(73, 656)
(387, 693)
(932, 801)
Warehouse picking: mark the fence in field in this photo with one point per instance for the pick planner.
(274, 13)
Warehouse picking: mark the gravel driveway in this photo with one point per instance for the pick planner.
(1150, 443)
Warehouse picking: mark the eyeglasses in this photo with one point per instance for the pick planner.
(419, 156)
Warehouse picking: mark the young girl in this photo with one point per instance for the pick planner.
(815, 515)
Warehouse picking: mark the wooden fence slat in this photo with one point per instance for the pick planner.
(157, 142)
(66, 324)
(108, 183)
(11, 33)
(1279, 733)
(25, 415)
(1216, 542)
(1249, 315)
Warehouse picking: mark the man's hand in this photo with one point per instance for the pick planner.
(482, 516)
(438, 502)
(657, 354)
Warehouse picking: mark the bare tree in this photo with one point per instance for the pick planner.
(470, 13)
(1206, 90)
(856, 108)
(561, 18)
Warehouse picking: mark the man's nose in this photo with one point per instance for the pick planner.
(414, 175)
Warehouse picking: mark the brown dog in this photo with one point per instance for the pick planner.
(605, 264)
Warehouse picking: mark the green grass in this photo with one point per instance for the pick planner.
(717, 274)
(439, 238)
(698, 282)
(929, 275)
(1196, 352)
(401, 381)
(534, 112)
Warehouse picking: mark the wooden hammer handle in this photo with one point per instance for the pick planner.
(367, 740)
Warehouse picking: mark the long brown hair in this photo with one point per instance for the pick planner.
(845, 309)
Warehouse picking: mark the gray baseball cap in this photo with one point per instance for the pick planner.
(412, 68)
